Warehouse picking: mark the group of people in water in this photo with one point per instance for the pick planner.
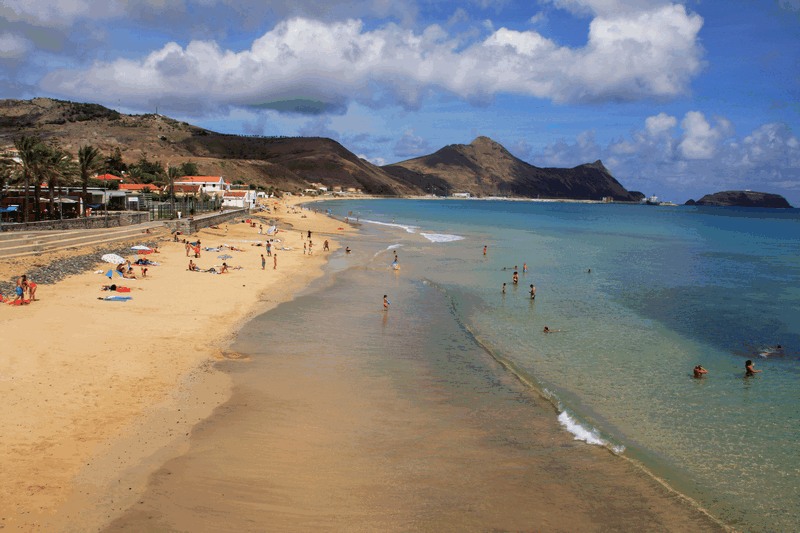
(699, 371)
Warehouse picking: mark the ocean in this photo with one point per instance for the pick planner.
(461, 414)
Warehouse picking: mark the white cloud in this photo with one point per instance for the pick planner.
(378, 161)
(698, 158)
(700, 140)
(59, 12)
(14, 46)
(630, 57)
(410, 145)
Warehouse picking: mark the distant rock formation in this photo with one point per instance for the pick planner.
(485, 168)
(690, 202)
(637, 195)
(744, 199)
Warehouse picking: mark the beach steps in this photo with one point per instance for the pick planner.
(21, 244)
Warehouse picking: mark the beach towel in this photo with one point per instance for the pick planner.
(116, 298)
(18, 302)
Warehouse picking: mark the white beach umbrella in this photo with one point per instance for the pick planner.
(141, 247)
(113, 258)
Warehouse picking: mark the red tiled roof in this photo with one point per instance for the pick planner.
(238, 194)
(199, 179)
(108, 177)
(137, 187)
(185, 188)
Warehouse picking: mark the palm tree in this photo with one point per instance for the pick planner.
(58, 166)
(29, 151)
(88, 161)
(6, 171)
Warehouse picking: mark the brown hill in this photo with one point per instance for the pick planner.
(485, 168)
(283, 162)
(293, 163)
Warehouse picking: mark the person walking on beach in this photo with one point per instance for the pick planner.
(263, 262)
(699, 371)
(385, 303)
(274, 261)
(304, 248)
(533, 292)
(325, 247)
(504, 288)
(748, 368)
(310, 247)
(269, 249)
(309, 235)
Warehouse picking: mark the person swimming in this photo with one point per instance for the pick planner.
(748, 368)
(699, 371)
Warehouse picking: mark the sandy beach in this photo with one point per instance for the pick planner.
(97, 394)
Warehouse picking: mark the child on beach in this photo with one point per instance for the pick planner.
(385, 303)
(275, 261)
(263, 262)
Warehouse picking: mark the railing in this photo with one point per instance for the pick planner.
(186, 208)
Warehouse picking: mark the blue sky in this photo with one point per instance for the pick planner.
(678, 99)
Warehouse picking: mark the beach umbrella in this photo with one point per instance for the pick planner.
(110, 273)
(225, 257)
(113, 259)
(141, 247)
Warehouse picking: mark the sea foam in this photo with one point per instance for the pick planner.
(409, 229)
(591, 436)
(441, 237)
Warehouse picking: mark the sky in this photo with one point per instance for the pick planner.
(678, 99)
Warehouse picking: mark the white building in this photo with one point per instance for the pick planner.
(211, 185)
(239, 199)
(461, 195)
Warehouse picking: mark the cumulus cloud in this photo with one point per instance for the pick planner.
(14, 46)
(410, 145)
(696, 157)
(628, 56)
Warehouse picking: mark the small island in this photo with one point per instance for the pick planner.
(742, 199)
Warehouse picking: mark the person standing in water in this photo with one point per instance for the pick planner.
(515, 278)
(533, 292)
(699, 371)
(385, 303)
(484, 250)
(524, 267)
(748, 368)
(504, 288)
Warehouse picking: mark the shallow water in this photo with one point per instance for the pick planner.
(346, 418)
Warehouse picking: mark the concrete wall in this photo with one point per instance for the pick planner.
(187, 226)
(115, 220)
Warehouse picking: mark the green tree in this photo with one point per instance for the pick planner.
(114, 163)
(29, 151)
(6, 172)
(188, 168)
(88, 162)
(58, 167)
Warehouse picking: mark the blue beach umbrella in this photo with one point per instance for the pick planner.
(110, 273)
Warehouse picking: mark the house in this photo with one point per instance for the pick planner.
(138, 187)
(109, 177)
(212, 185)
(239, 199)
(461, 195)
(185, 190)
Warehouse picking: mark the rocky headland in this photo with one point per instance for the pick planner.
(743, 199)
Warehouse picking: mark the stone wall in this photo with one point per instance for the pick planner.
(114, 220)
(191, 225)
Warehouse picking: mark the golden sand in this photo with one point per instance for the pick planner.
(97, 394)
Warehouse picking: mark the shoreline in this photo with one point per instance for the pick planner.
(94, 398)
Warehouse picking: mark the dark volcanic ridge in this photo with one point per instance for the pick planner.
(743, 199)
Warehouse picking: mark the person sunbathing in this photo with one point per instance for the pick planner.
(129, 274)
(192, 266)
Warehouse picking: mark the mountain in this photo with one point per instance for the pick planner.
(485, 168)
(743, 199)
(287, 163)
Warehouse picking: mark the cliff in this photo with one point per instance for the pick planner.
(743, 199)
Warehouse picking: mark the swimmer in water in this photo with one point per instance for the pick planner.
(748, 368)
(699, 371)
(524, 267)
(515, 278)
(504, 288)
(548, 330)
(484, 251)
(533, 292)
(347, 250)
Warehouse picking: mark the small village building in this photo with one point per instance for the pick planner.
(239, 199)
(461, 195)
(211, 185)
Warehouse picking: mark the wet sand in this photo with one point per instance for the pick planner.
(345, 418)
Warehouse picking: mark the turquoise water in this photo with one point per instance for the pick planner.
(669, 288)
